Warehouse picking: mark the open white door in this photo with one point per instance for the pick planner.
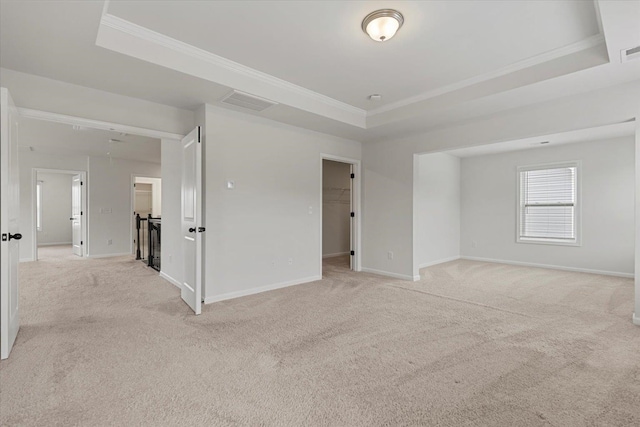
(192, 219)
(352, 222)
(76, 214)
(9, 214)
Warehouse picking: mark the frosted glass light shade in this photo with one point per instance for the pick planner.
(382, 24)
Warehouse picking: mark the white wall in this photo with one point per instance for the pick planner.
(437, 209)
(55, 208)
(336, 208)
(156, 193)
(27, 162)
(273, 214)
(389, 165)
(109, 187)
(489, 207)
(110, 205)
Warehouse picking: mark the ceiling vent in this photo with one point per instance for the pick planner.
(244, 100)
(629, 54)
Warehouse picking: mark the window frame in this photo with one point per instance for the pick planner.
(577, 211)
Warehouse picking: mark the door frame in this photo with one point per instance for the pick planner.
(133, 204)
(84, 223)
(356, 206)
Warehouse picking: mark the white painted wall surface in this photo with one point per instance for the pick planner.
(172, 260)
(56, 209)
(273, 214)
(437, 209)
(489, 207)
(388, 164)
(110, 204)
(336, 207)
(28, 161)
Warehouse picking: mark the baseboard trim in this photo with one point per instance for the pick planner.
(55, 244)
(258, 290)
(636, 320)
(390, 274)
(440, 261)
(109, 255)
(549, 266)
(171, 280)
(335, 255)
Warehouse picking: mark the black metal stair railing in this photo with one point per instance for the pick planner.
(148, 240)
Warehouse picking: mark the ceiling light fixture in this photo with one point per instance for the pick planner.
(382, 24)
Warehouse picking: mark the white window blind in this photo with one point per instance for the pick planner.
(548, 204)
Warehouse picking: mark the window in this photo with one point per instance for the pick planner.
(39, 206)
(548, 204)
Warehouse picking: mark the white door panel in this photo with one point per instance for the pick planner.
(9, 216)
(192, 219)
(76, 214)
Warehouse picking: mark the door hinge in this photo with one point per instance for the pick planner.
(199, 137)
(353, 252)
(81, 213)
(81, 243)
(81, 183)
(353, 175)
(353, 214)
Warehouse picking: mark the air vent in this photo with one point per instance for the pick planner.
(629, 54)
(244, 100)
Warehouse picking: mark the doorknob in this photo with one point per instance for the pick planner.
(192, 230)
(16, 236)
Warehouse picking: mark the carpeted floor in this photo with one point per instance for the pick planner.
(107, 342)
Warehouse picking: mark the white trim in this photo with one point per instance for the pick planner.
(253, 291)
(335, 255)
(356, 206)
(587, 43)
(54, 244)
(549, 266)
(223, 64)
(636, 319)
(440, 261)
(171, 280)
(109, 255)
(26, 260)
(390, 274)
(96, 124)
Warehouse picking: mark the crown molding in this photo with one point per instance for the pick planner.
(167, 42)
(95, 124)
(517, 66)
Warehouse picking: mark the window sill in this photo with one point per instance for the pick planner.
(549, 242)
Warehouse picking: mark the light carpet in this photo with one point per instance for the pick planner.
(107, 342)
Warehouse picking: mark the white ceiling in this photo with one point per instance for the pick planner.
(319, 45)
(61, 139)
(451, 61)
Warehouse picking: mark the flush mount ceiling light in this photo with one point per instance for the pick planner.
(382, 24)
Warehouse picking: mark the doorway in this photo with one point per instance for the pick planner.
(340, 214)
(146, 200)
(59, 213)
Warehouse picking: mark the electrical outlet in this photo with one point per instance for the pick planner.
(390, 255)
(290, 261)
(109, 242)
